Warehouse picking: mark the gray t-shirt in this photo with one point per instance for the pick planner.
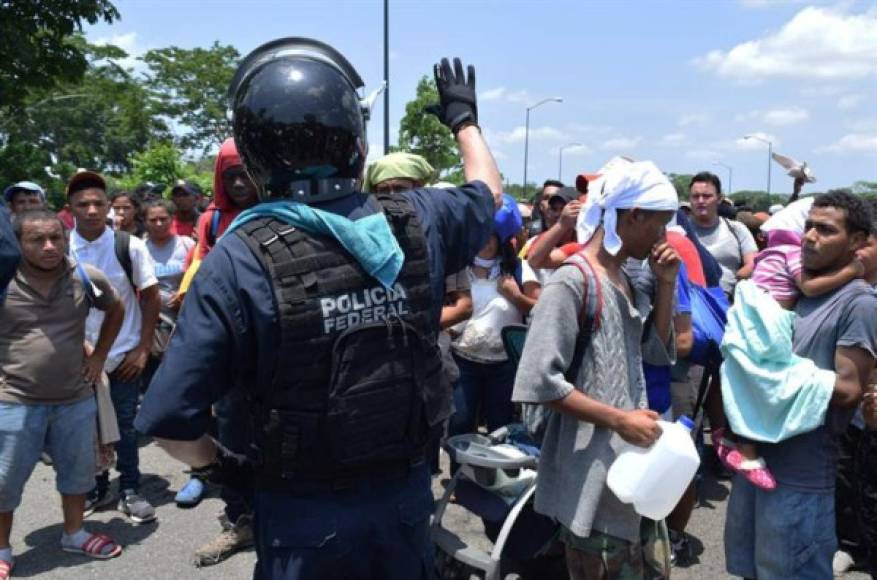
(169, 260)
(845, 317)
(576, 455)
(728, 241)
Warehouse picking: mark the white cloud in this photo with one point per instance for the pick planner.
(848, 102)
(128, 43)
(573, 150)
(754, 144)
(789, 116)
(503, 94)
(817, 43)
(695, 119)
(673, 139)
(768, 3)
(492, 94)
(852, 143)
(621, 143)
(780, 116)
(517, 134)
(701, 154)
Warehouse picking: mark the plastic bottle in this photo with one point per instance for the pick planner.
(654, 479)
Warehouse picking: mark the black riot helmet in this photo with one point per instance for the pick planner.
(299, 121)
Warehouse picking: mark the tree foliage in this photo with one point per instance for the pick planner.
(97, 122)
(38, 48)
(189, 86)
(423, 134)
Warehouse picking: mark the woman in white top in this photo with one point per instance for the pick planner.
(484, 390)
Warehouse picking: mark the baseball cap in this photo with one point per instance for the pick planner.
(582, 180)
(187, 186)
(23, 186)
(507, 220)
(83, 179)
(567, 194)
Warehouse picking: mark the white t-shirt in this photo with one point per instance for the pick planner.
(169, 261)
(101, 254)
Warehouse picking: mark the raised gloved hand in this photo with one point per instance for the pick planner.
(457, 106)
(230, 469)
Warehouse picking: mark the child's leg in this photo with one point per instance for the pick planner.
(747, 448)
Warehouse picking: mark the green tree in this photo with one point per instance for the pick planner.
(422, 133)
(96, 123)
(162, 163)
(680, 181)
(865, 188)
(190, 87)
(38, 48)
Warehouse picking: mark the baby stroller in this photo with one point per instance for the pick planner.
(496, 481)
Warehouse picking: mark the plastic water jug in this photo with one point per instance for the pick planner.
(654, 479)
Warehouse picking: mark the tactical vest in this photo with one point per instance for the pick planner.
(358, 382)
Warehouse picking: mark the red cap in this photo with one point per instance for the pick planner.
(582, 180)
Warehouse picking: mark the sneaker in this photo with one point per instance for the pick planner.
(96, 500)
(190, 494)
(842, 563)
(233, 538)
(680, 549)
(136, 507)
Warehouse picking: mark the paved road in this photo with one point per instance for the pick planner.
(163, 550)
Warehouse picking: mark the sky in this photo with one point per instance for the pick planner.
(678, 82)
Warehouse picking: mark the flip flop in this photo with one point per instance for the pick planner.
(94, 546)
(6, 569)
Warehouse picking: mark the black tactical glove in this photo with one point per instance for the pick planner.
(457, 107)
(232, 470)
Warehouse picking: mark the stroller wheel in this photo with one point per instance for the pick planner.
(446, 568)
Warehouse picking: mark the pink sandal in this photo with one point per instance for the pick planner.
(754, 470)
(723, 447)
(94, 547)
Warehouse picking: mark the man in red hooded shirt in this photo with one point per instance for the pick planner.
(233, 192)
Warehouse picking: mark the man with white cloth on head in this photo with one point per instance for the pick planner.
(584, 363)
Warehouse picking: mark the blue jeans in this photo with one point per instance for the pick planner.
(66, 431)
(125, 396)
(234, 431)
(779, 534)
(377, 528)
(482, 391)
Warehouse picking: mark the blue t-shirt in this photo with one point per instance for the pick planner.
(658, 377)
(225, 335)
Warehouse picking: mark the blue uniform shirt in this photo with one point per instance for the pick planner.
(225, 335)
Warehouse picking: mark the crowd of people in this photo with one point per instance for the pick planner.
(131, 313)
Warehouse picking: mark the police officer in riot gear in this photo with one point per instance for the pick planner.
(322, 303)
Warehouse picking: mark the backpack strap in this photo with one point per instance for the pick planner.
(88, 287)
(590, 314)
(736, 238)
(122, 247)
(214, 227)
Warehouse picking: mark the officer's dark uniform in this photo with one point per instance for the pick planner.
(348, 377)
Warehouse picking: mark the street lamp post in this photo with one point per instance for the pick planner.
(730, 169)
(769, 155)
(527, 134)
(560, 158)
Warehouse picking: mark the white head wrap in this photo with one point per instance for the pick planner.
(791, 218)
(625, 185)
